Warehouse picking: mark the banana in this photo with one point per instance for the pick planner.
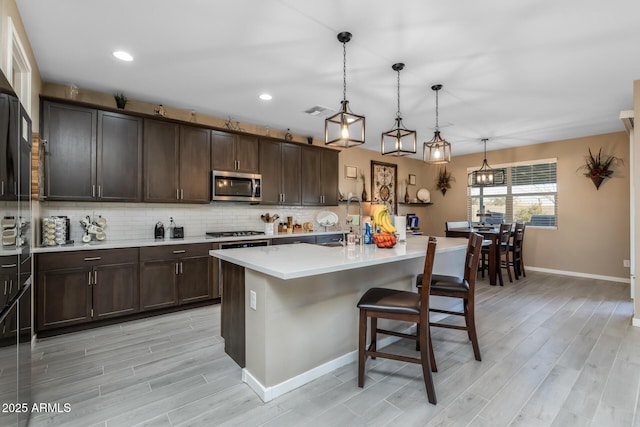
(376, 214)
(382, 218)
(386, 220)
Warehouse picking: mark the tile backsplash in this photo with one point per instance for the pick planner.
(126, 221)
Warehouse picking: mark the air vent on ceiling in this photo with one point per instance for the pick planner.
(319, 110)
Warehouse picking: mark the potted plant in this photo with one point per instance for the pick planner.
(444, 180)
(597, 167)
(121, 100)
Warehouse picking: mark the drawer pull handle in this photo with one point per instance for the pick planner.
(179, 252)
(8, 265)
(93, 258)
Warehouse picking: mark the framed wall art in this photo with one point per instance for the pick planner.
(350, 172)
(384, 184)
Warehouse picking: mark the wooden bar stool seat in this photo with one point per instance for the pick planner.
(460, 287)
(406, 306)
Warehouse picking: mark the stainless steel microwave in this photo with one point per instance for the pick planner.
(235, 186)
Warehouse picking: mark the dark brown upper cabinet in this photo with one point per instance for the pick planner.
(319, 177)
(234, 152)
(281, 172)
(91, 155)
(176, 162)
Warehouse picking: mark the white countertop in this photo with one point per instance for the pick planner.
(133, 243)
(302, 260)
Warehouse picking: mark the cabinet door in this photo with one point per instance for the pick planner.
(70, 151)
(247, 154)
(9, 146)
(195, 280)
(9, 286)
(223, 151)
(115, 290)
(24, 193)
(195, 164)
(161, 151)
(158, 284)
(63, 298)
(311, 184)
(291, 171)
(329, 177)
(271, 171)
(119, 166)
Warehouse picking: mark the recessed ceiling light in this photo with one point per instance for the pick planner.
(266, 97)
(123, 56)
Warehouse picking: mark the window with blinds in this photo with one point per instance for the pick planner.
(529, 196)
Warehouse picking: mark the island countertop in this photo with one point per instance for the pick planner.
(302, 260)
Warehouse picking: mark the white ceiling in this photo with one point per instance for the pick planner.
(516, 72)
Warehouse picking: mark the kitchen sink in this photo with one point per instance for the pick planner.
(331, 244)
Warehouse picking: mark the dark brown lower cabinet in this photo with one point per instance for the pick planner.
(158, 284)
(115, 290)
(173, 275)
(79, 287)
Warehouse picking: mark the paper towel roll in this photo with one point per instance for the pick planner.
(400, 223)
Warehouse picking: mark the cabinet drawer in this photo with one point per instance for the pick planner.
(174, 251)
(62, 260)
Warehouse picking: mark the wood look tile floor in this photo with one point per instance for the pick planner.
(557, 351)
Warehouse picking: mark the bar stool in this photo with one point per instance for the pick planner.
(406, 306)
(460, 287)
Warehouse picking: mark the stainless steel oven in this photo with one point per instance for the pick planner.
(235, 186)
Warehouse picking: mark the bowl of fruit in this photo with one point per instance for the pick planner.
(384, 239)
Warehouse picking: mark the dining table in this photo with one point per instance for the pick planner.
(487, 233)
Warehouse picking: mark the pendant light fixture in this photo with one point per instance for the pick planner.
(486, 176)
(399, 141)
(344, 129)
(438, 150)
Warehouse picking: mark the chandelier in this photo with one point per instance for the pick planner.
(486, 176)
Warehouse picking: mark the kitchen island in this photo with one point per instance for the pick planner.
(289, 312)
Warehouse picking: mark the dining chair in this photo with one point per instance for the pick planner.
(448, 225)
(515, 250)
(504, 236)
(459, 287)
(405, 306)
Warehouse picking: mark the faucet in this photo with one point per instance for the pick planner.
(351, 198)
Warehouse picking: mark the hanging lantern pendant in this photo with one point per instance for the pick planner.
(401, 140)
(344, 129)
(438, 150)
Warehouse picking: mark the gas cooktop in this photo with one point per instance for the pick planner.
(218, 234)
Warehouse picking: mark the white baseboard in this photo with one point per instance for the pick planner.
(269, 393)
(578, 274)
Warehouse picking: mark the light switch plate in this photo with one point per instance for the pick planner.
(252, 299)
